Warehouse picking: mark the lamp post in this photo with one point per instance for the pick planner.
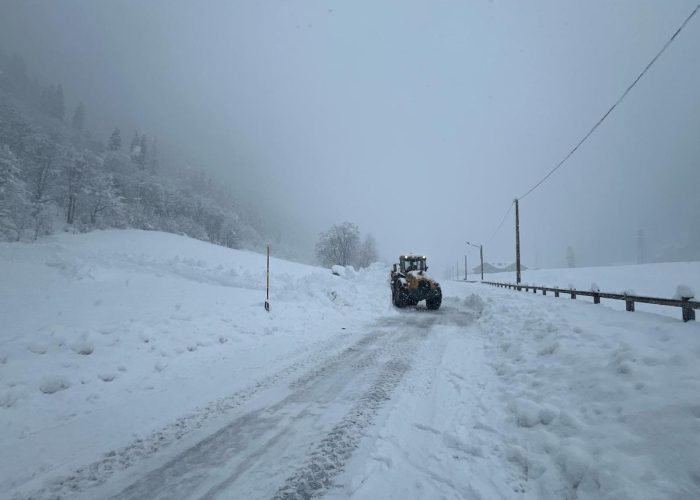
(481, 255)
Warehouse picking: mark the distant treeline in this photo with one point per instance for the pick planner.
(55, 176)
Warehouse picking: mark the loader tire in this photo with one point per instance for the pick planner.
(434, 303)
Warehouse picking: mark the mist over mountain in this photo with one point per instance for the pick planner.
(418, 123)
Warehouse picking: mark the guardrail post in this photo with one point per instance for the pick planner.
(556, 293)
(596, 298)
(573, 294)
(688, 312)
(527, 289)
(629, 305)
(544, 292)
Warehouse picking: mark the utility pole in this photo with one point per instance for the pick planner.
(481, 254)
(517, 242)
(465, 268)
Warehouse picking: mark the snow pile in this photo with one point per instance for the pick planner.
(599, 404)
(111, 334)
(525, 396)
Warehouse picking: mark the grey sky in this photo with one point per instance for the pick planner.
(419, 121)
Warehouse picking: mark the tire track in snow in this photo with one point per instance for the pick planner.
(99, 472)
(247, 438)
(328, 458)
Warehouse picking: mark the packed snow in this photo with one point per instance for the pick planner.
(143, 365)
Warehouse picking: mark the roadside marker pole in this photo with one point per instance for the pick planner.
(267, 284)
(481, 255)
(517, 242)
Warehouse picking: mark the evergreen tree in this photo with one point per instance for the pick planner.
(143, 151)
(14, 197)
(152, 161)
(115, 140)
(78, 120)
(135, 148)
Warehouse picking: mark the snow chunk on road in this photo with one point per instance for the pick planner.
(50, 385)
(529, 414)
(83, 346)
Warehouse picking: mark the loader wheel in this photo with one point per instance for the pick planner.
(434, 304)
(400, 299)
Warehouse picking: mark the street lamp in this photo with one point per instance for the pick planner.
(481, 255)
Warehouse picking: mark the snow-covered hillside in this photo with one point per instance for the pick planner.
(109, 335)
(142, 365)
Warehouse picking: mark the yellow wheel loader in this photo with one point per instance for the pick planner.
(410, 283)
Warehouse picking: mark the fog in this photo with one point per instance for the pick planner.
(418, 121)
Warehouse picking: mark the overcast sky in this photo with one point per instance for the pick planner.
(419, 121)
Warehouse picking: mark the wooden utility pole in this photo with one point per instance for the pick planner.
(481, 254)
(517, 241)
(267, 281)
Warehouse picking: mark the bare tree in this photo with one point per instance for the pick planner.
(367, 253)
(338, 245)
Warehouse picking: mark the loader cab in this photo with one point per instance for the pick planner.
(409, 263)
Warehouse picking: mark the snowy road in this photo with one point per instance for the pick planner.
(293, 437)
(314, 428)
(186, 388)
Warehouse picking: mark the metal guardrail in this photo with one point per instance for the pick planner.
(687, 305)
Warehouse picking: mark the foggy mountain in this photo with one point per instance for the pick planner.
(402, 118)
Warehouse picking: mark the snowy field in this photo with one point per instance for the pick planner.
(652, 280)
(143, 365)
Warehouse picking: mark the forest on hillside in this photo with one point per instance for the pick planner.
(56, 176)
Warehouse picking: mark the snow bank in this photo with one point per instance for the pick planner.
(598, 403)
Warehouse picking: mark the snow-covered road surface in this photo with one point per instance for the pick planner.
(315, 426)
(150, 370)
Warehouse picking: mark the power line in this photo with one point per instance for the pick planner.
(501, 224)
(620, 99)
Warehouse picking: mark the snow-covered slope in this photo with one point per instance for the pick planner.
(108, 335)
(143, 365)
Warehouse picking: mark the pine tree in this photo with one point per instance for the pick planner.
(115, 140)
(14, 197)
(143, 152)
(153, 157)
(135, 148)
(78, 120)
